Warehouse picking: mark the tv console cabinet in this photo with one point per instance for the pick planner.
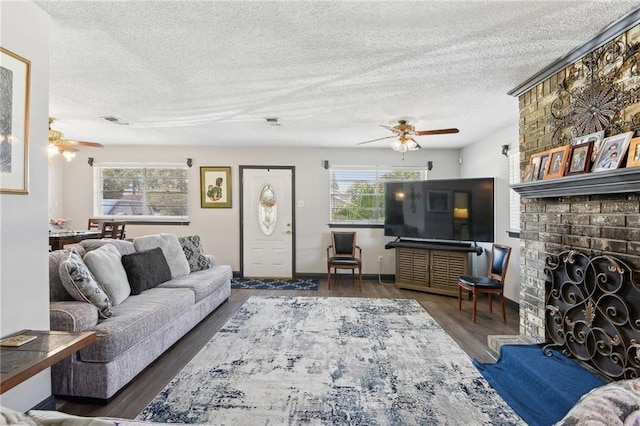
(431, 267)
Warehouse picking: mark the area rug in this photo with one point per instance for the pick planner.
(541, 389)
(274, 284)
(330, 361)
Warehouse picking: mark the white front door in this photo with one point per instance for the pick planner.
(267, 222)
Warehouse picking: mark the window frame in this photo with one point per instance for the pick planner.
(97, 202)
(379, 171)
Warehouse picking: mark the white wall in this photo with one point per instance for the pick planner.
(24, 279)
(219, 228)
(484, 159)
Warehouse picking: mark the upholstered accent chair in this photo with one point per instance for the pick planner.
(491, 284)
(344, 253)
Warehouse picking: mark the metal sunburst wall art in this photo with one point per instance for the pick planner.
(599, 93)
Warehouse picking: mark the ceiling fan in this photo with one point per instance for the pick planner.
(66, 147)
(404, 132)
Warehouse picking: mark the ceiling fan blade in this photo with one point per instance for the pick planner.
(79, 143)
(374, 140)
(436, 132)
(393, 129)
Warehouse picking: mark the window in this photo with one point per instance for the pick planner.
(357, 193)
(514, 197)
(147, 192)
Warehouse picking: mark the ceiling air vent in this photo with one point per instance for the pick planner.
(115, 120)
(272, 121)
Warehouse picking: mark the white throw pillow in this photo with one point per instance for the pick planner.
(78, 281)
(171, 248)
(106, 266)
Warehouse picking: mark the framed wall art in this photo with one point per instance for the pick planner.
(634, 153)
(215, 187)
(15, 80)
(557, 162)
(580, 158)
(612, 151)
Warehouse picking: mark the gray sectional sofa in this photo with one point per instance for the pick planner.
(136, 330)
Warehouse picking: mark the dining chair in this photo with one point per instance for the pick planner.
(491, 284)
(341, 254)
(94, 224)
(113, 229)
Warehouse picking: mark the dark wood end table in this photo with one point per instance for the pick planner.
(20, 363)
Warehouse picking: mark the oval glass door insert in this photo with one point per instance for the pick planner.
(267, 210)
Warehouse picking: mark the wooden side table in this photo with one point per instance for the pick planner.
(20, 363)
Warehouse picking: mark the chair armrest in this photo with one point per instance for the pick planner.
(329, 251)
(72, 316)
(359, 252)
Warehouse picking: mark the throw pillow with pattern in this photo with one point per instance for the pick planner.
(78, 281)
(193, 250)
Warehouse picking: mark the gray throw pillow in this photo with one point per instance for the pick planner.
(193, 250)
(170, 247)
(146, 269)
(123, 246)
(105, 265)
(78, 281)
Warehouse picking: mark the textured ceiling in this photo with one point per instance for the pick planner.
(208, 73)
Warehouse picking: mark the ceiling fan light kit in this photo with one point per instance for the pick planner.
(403, 132)
(66, 147)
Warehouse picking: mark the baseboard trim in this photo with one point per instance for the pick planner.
(47, 404)
(323, 276)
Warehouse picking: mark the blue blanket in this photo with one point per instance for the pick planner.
(541, 389)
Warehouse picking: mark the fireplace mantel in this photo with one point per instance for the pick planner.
(605, 182)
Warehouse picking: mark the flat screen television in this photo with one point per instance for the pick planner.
(447, 209)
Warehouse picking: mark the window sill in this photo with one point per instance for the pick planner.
(147, 220)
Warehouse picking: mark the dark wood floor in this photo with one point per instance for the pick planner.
(471, 337)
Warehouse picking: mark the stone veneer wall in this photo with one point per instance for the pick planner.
(593, 223)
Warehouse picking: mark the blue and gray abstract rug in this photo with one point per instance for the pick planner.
(330, 361)
(274, 284)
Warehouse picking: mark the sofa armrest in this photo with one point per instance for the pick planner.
(73, 316)
(212, 260)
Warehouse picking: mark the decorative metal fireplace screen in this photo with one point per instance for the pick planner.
(593, 312)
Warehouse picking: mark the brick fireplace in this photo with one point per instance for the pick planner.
(592, 223)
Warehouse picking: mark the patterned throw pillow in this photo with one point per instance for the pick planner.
(81, 285)
(192, 247)
(616, 403)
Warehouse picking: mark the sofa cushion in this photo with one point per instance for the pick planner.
(78, 281)
(146, 269)
(204, 282)
(136, 319)
(123, 246)
(193, 250)
(170, 247)
(106, 266)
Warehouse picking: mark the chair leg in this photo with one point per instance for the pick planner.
(475, 305)
(504, 314)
